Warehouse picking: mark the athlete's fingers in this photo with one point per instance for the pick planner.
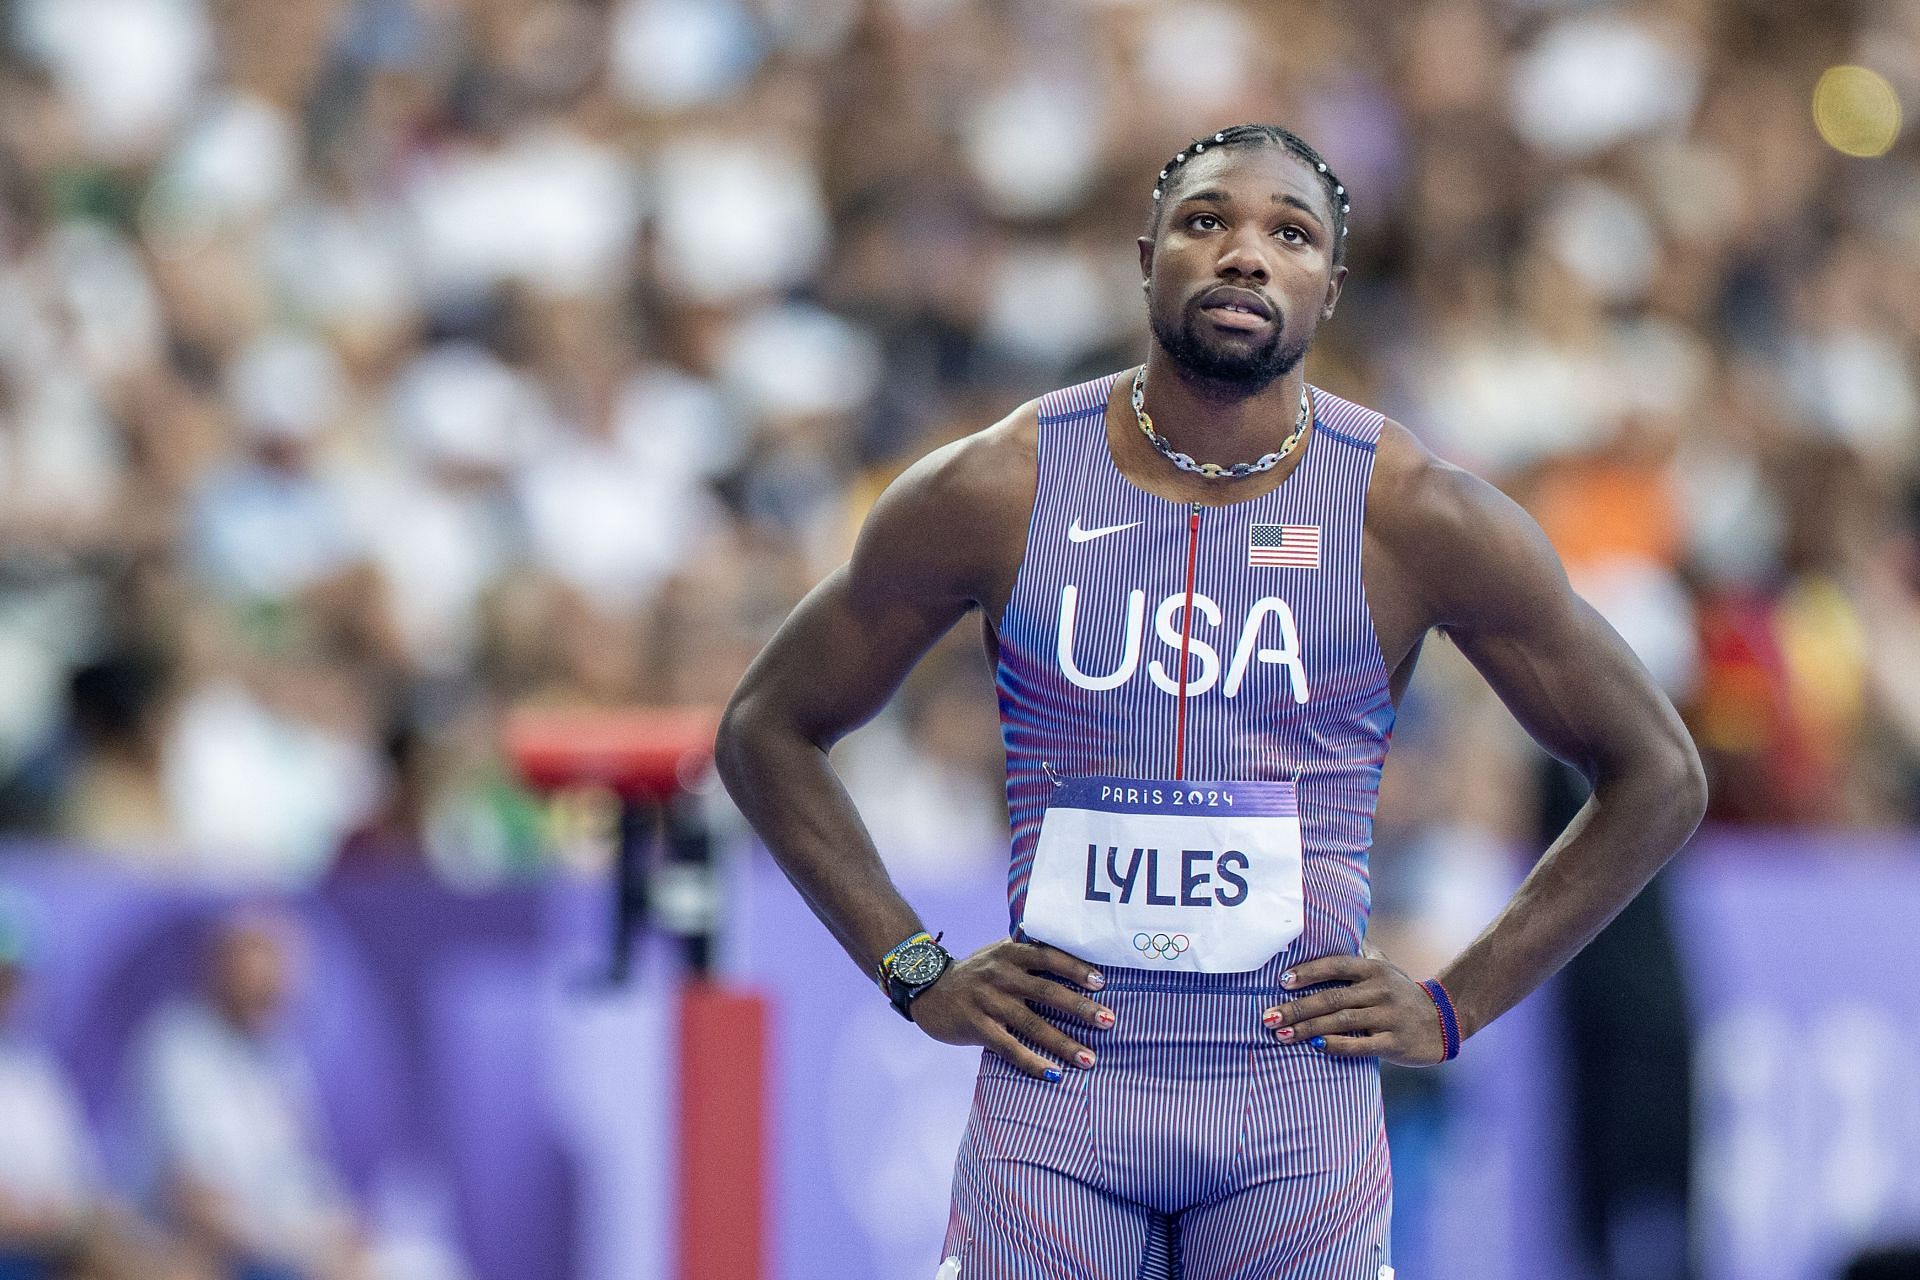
(1002, 1042)
(1030, 1027)
(1377, 1045)
(1038, 957)
(1329, 969)
(1065, 999)
(1351, 1021)
(1321, 1003)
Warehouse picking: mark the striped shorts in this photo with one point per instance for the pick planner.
(1198, 1148)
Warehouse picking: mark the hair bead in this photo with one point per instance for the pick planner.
(1336, 191)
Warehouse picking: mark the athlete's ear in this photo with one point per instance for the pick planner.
(1338, 279)
(1146, 258)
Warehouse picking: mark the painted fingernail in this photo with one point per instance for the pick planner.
(1053, 1075)
(1286, 979)
(1084, 1058)
(1271, 1017)
(1104, 1018)
(1318, 1042)
(1285, 1033)
(1095, 981)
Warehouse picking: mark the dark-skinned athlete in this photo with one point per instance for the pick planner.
(1204, 584)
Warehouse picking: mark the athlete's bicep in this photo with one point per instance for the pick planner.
(840, 655)
(1501, 594)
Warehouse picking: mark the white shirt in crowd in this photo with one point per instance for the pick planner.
(46, 1158)
(239, 1115)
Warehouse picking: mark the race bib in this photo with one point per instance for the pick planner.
(1203, 877)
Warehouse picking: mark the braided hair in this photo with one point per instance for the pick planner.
(1245, 135)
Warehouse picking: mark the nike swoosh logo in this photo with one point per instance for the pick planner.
(1076, 534)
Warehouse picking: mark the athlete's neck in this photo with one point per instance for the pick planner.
(1217, 422)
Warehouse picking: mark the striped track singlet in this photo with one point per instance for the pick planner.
(1197, 1146)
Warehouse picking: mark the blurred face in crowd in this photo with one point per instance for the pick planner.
(250, 974)
(1240, 272)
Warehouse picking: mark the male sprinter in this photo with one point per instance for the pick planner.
(1198, 663)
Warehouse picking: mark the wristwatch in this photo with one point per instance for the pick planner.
(911, 968)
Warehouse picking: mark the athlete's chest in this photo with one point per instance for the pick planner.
(1140, 596)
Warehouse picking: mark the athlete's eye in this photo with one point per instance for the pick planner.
(1198, 218)
(1300, 237)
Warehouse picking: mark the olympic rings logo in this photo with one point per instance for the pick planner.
(1161, 946)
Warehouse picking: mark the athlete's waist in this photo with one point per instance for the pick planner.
(1165, 1012)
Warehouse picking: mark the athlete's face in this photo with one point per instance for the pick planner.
(1241, 272)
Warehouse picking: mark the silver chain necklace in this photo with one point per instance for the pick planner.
(1213, 470)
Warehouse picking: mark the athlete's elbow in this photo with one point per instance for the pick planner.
(740, 741)
(1659, 786)
(758, 730)
(1696, 787)
(1680, 783)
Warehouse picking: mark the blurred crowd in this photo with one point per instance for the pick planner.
(369, 367)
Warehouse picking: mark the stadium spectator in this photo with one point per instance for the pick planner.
(57, 1217)
(230, 1130)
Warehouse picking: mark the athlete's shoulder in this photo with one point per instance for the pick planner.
(979, 472)
(1415, 491)
(983, 484)
(1467, 544)
(955, 521)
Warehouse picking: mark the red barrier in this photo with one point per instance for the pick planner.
(724, 1164)
(642, 753)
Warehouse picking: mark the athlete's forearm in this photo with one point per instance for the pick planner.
(789, 792)
(1625, 833)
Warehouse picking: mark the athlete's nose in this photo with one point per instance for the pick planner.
(1242, 258)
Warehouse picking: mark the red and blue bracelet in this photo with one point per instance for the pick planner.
(1449, 1023)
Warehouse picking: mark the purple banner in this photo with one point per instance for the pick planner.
(478, 1079)
(1804, 959)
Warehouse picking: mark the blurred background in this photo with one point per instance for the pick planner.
(371, 369)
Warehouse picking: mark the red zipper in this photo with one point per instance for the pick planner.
(1186, 641)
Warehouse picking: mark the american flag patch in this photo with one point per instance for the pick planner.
(1286, 546)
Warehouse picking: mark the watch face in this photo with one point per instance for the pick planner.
(921, 962)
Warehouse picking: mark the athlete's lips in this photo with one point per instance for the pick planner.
(1236, 308)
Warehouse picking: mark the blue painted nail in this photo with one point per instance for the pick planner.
(1053, 1075)
(1318, 1042)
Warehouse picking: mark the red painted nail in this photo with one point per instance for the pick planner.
(1084, 1058)
(1104, 1018)
(1285, 1033)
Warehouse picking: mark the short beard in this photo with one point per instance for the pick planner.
(1243, 372)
